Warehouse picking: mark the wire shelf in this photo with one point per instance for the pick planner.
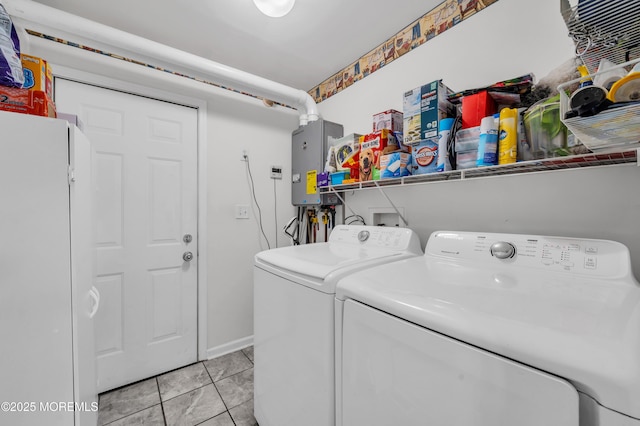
(603, 29)
(544, 165)
(612, 129)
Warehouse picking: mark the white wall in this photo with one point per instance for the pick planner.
(508, 39)
(234, 123)
(265, 134)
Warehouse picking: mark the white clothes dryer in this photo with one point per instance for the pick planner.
(492, 329)
(294, 291)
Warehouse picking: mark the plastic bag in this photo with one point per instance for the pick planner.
(10, 65)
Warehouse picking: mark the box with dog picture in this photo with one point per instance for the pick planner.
(372, 146)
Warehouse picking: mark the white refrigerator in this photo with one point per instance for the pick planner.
(47, 302)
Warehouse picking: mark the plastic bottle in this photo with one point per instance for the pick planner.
(488, 144)
(508, 136)
(443, 163)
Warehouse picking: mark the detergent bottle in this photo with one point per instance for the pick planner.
(508, 136)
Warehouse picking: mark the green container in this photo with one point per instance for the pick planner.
(546, 134)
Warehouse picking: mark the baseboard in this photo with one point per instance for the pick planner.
(229, 347)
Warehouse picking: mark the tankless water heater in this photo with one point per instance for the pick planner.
(308, 154)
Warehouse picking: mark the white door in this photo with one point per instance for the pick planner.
(145, 165)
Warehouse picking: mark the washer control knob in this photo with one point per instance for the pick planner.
(503, 250)
(363, 236)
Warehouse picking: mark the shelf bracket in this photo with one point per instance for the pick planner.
(391, 202)
(344, 203)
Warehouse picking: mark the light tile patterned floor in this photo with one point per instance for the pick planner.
(217, 392)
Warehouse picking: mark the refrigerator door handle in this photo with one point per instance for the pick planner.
(95, 295)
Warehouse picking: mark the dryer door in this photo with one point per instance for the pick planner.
(396, 373)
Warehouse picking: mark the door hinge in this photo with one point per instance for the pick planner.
(71, 173)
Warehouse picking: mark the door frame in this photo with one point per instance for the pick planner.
(64, 72)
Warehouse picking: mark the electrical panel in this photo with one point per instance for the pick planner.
(310, 144)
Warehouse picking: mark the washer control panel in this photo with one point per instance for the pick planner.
(601, 258)
(376, 236)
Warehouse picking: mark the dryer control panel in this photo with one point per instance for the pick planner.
(598, 258)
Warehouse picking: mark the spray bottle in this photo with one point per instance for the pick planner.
(508, 136)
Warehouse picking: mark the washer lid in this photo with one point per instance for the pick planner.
(580, 326)
(322, 262)
(350, 248)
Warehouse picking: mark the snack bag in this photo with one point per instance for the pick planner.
(10, 64)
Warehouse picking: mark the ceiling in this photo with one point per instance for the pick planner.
(315, 40)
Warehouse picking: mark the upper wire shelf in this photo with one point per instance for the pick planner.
(603, 29)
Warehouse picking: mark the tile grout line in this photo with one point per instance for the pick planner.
(164, 417)
(221, 399)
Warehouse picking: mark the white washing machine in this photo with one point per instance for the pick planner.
(294, 290)
(492, 329)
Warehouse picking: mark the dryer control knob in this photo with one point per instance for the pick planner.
(503, 250)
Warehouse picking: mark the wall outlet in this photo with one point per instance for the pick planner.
(242, 211)
(245, 155)
(276, 172)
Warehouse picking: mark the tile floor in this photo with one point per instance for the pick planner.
(217, 392)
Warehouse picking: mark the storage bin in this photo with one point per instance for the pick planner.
(466, 159)
(613, 129)
(467, 139)
(546, 134)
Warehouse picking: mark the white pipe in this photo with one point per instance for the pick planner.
(42, 15)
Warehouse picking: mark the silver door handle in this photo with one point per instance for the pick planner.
(187, 256)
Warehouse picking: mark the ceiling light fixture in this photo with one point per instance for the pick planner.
(275, 8)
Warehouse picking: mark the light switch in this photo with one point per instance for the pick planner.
(242, 211)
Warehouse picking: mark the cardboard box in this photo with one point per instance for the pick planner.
(372, 146)
(423, 108)
(345, 148)
(395, 165)
(26, 101)
(403, 146)
(37, 74)
(338, 178)
(390, 120)
(424, 157)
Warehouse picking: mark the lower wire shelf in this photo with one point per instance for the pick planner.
(533, 166)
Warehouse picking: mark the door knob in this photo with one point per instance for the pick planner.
(187, 256)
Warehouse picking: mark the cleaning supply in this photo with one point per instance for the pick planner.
(444, 132)
(508, 136)
(488, 144)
